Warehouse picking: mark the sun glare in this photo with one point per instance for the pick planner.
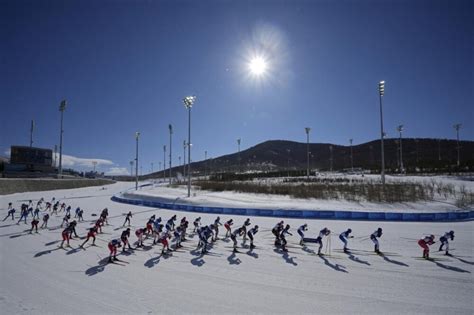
(257, 66)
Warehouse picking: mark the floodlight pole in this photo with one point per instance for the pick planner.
(137, 136)
(238, 145)
(330, 158)
(457, 127)
(188, 103)
(205, 163)
(131, 168)
(381, 93)
(352, 159)
(170, 127)
(400, 129)
(288, 164)
(62, 108)
(164, 162)
(307, 130)
(31, 132)
(184, 158)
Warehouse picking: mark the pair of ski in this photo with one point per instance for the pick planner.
(117, 261)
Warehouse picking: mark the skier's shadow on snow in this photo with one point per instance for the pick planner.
(452, 268)
(198, 261)
(92, 271)
(463, 260)
(396, 262)
(336, 267)
(286, 256)
(233, 260)
(73, 251)
(52, 243)
(357, 259)
(308, 250)
(7, 225)
(251, 253)
(152, 261)
(45, 252)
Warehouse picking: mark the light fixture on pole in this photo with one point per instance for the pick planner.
(307, 130)
(352, 158)
(170, 127)
(137, 136)
(457, 127)
(400, 129)
(62, 108)
(238, 150)
(31, 132)
(164, 163)
(381, 93)
(188, 103)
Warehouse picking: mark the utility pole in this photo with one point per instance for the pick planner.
(381, 93)
(31, 132)
(170, 127)
(457, 127)
(164, 162)
(307, 130)
(62, 108)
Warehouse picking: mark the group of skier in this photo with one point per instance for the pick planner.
(162, 233)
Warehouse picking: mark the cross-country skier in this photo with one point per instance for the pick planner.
(238, 232)
(251, 234)
(48, 206)
(65, 220)
(91, 234)
(170, 223)
(196, 224)
(184, 226)
(127, 218)
(246, 223)
(319, 240)
(445, 241)
(66, 236)
(68, 210)
(39, 204)
(104, 214)
(113, 245)
(36, 213)
(98, 225)
(55, 209)
(228, 228)
(277, 231)
(63, 207)
(216, 224)
(79, 215)
(424, 242)
(76, 212)
(34, 225)
(10, 206)
(30, 204)
(284, 232)
(11, 212)
(149, 226)
(344, 236)
(157, 229)
(301, 231)
(164, 240)
(139, 233)
(177, 237)
(72, 227)
(30, 211)
(373, 237)
(24, 213)
(45, 221)
(124, 238)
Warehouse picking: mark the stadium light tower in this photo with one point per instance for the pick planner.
(457, 127)
(238, 149)
(188, 103)
(31, 132)
(184, 158)
(170, 127)
(307, 130)
(137, 136)
(381, 93)
(62, 108)
(352, 159)
(400, 129)
(164, 162)
(205, 163)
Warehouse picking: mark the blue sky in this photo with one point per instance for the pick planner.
(124, 66)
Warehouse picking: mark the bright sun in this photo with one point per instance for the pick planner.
(257, 66)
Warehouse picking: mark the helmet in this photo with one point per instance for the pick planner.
(128, 229)
(287, 226)
(451, 232)
(432, 236)
(256, 226)
(349, 230)
(305, 224)
(379, 230)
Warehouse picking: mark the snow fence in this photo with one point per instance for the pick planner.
(303, 214)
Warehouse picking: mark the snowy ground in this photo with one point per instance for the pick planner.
(37, 278)
(262, 201)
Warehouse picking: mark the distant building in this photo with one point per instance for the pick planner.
(30, 160)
